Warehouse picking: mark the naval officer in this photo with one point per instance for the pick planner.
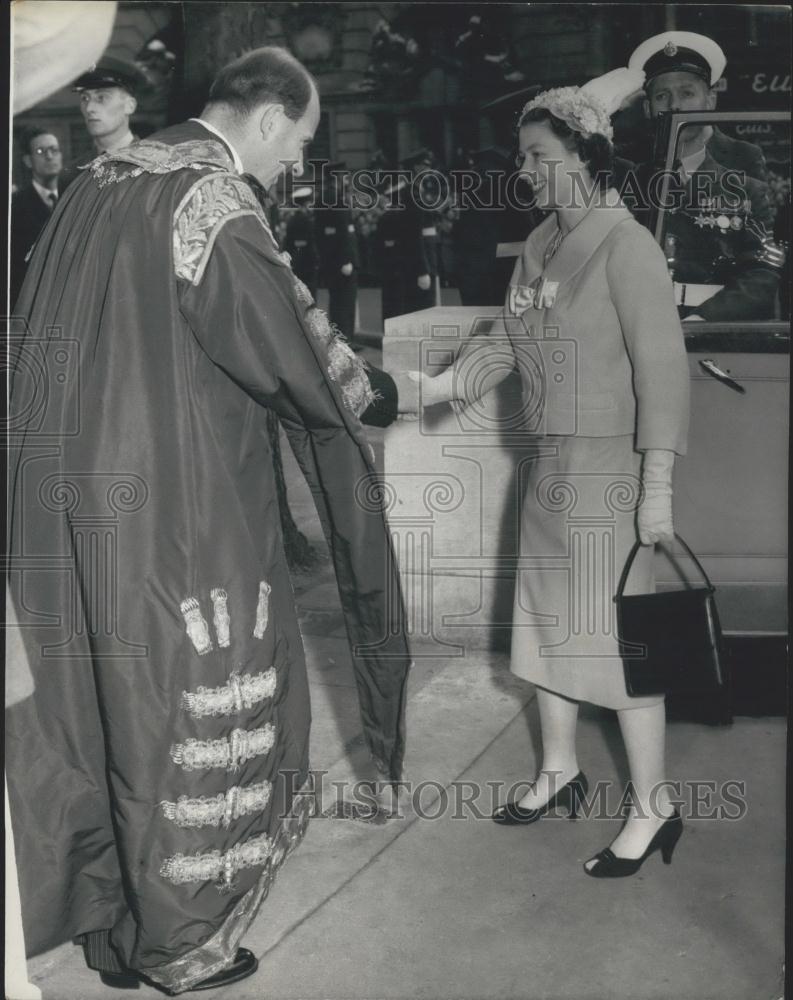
(719, 234)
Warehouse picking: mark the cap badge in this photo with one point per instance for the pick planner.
(670, 49)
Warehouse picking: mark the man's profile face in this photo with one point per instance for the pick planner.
(44, 157)
(678, 91)
(106, 110)
(280, 143)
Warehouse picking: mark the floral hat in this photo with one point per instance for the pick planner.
(588, 109)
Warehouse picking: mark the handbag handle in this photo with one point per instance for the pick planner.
(629, 563)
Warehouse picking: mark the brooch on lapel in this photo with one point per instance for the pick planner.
(540, 294)
(546, 294)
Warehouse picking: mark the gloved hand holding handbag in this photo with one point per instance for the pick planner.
(654, 517)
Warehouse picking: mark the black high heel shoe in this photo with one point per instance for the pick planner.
(608, 865)
(571, 794)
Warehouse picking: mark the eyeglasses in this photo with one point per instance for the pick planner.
(44, 150)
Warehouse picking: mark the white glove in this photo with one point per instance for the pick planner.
(654, 517)
(424, 282)
(433, 390)
(346, 269)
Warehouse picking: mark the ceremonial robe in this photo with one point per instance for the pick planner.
(158, 774)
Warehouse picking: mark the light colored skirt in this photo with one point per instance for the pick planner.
(578, 523)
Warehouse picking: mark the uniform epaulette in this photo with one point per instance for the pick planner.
(212, 201)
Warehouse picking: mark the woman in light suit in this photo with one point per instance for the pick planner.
(593, 284)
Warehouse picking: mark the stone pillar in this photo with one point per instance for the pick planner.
(452, 481)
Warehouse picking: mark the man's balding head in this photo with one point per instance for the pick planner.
(267, 104)
(269, 75)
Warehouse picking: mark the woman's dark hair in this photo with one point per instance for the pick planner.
(594, 151)
(266, 75)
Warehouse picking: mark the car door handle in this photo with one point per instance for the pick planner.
(713, 369)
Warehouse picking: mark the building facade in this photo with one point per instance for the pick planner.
(394, 77)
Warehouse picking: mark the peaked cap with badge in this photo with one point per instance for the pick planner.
(679, 52)
(112, 72)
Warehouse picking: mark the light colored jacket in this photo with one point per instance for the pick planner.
(613, 352)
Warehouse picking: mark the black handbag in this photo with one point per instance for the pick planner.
(670, 642)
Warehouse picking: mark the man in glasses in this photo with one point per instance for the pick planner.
(33, 204)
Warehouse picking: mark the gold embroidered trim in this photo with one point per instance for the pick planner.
(240, 692)
(345, 368)
(183, 868)
(242, 745)
(210, 203)
(196, 624)
(303, 292)
(221, 618)
(152, 157)
(262, 610)
(218, 951)
(221, 810)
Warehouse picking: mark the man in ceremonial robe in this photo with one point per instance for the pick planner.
(159, 774)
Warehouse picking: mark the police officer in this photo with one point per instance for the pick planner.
(300, 241)
(718, 238)
(108, 99)
(337, 242)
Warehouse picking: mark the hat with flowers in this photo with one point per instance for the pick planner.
(588, 109)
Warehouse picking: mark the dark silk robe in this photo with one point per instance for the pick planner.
(158, 774)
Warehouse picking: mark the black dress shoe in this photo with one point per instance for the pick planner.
(608, 865)
(510, 813)
(121, 980)
(244, 965)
